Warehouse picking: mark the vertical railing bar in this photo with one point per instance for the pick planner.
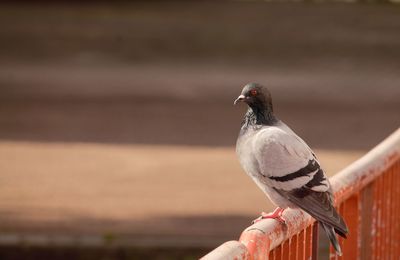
(271, 255)
(289, 247)
(293, 247)
(386, 210)
(393, 237)
(307, 248)
(359, 222)
(389, 212)
(310, 248)
(378, 218)
(381, 215)
(383, 218)
(382, 224)
(305, 254)
(296, 255)
(351, 215)
(300, 254)
(394, 215)
(397, 206)
(315, 241)
(366, 216)
(374, 231)
(385, 215)
(278, 252)
(305, 243)
(285, 250)
(386, 253)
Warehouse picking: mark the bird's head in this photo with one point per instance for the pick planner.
(256, 96)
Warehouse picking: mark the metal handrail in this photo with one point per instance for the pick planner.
(363, 195)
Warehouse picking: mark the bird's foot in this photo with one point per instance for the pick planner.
(276, 214)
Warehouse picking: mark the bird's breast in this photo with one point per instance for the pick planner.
(245, 153)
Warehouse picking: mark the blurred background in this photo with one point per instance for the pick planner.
(117, 127)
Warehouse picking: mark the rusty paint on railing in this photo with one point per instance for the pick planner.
(230, 250)
(367, 194)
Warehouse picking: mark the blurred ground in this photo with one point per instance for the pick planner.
(117, 124)
(171, 194)
(67, 70)
(182, 106)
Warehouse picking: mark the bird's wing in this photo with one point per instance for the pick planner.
(289, 166)
(286, 162)
(318, 205)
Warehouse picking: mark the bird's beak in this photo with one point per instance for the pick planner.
(240, 98)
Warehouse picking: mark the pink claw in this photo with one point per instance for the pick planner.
(276, 214)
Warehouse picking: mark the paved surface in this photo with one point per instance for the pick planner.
(148, 194)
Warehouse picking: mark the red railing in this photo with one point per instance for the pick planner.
(367, 195)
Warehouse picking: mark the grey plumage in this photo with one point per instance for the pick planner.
(283, 165)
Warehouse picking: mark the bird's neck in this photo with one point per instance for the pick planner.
(256, 116)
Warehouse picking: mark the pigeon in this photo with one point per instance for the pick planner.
(283, 166)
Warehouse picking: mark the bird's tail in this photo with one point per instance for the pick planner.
(330, 232)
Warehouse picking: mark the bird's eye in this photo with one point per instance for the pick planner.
(253, 92)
